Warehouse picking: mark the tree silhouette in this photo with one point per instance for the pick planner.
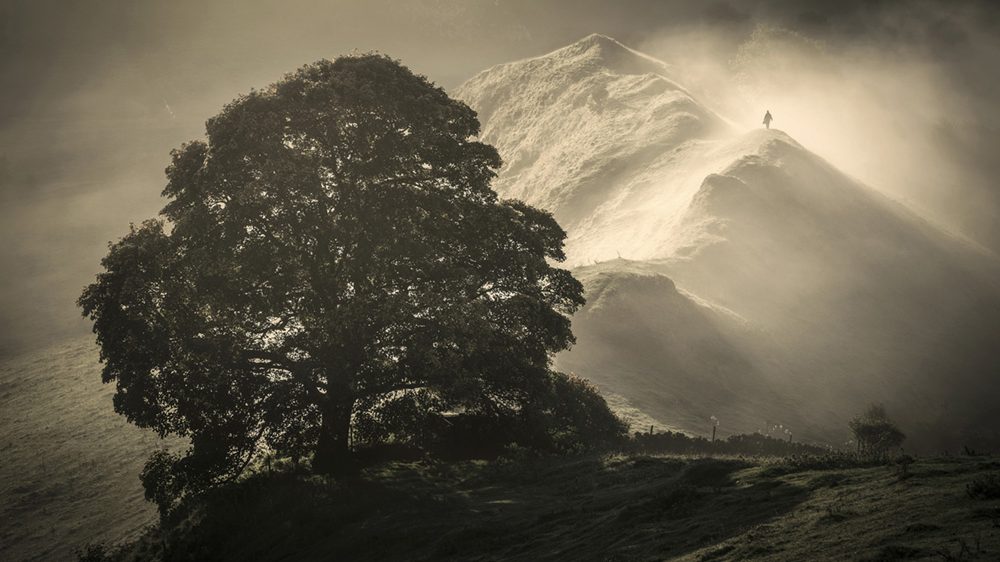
(333, 244)
(875, 433)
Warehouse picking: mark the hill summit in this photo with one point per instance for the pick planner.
(798, 293)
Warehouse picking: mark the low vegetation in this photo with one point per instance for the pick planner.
(875, 434)
(562, 481)
(591, 507)
(739, 444)
(985, 487)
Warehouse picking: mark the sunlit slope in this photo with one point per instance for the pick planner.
(849, 297)
(676, 358)
(69, 465)
(870, 301)
(588, 132)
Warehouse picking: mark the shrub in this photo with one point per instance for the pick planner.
(875, 433)
(827, 461)
(572, 416)
(162, 482)
(102, 552)
(565, 415)
(741, 444)
(986, 487)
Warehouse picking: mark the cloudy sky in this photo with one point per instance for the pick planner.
(94, 95)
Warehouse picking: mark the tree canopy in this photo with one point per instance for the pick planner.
(333, 247)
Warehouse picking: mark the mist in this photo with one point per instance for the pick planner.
(746, 336)
(906, 111)
(95, 97)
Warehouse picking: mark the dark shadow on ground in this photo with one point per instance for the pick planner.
(625, 508)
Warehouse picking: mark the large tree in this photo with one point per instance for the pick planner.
(332, 246)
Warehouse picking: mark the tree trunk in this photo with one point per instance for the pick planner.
(333, 452)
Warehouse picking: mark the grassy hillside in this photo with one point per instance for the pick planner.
(69, 471)
(69, 464)
(619, 507)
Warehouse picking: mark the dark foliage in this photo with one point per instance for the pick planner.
(742, 444)
(333, 256)
(985, 487)
(98, 552)
(894, 552)
(571, 416)
(566, 416)
(875, 433)
(825, 461)
(557, 507)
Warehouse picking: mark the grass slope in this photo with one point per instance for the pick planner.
(622, 507)
(69, 464)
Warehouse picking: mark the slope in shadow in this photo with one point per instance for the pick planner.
(579, 509)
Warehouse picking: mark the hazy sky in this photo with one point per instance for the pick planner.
(93, 95)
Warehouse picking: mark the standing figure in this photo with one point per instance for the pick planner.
(768, 119)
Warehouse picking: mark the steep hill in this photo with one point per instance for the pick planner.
(585, 128)
(834, 294)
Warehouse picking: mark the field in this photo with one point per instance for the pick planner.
(615, 507)
(68, 477)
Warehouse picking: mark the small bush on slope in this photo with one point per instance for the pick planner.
(986, 487)
(875, 433)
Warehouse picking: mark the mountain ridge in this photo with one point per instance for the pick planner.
(845, 288)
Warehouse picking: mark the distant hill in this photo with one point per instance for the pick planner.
(682, 360)
(833, 294)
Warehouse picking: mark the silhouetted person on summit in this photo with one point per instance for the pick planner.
(768, 119)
